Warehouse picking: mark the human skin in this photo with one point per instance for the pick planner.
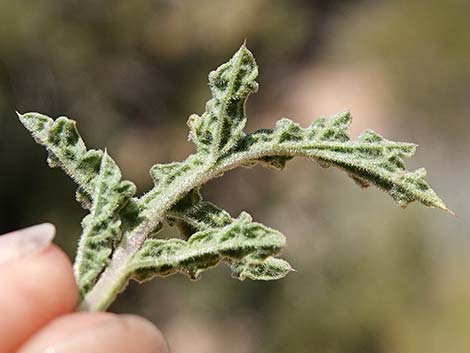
(38, 296)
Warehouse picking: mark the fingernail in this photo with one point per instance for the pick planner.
(25, 241)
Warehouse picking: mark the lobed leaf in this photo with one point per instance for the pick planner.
(100, 189)
(220, 127)
(192, 214)
(369, 160)
(248, 246)
(102, 227)
(66, 150)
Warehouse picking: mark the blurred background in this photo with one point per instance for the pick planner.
(371, 277)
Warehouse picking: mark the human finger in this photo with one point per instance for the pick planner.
(97, 332)
(36, 284)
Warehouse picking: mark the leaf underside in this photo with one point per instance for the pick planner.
(210, 234)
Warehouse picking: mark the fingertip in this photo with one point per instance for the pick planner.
(61, 276)
(142, 326)
(47, 281)
(98, 332)
(35, 290)
(63, 328)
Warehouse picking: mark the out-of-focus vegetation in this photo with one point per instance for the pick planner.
(130, 73)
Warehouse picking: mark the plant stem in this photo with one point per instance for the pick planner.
(116, 276)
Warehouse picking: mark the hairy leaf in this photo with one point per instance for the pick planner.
(101, 228)
(66, 150)
(261, 270)
(369, 160)
(100, 189)
(243, 243)
(221, 126)
(192, 214)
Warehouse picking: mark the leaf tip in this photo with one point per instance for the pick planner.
(441, 205)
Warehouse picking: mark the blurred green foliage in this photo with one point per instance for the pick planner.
(371, 277)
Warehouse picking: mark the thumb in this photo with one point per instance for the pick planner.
(36, 284)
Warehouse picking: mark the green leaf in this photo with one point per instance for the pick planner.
(100, 189)
(102, 227)
(240, 242)
(371, 160)
(192, 214)
(67, 151)
(220, 127)
(260, 270)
